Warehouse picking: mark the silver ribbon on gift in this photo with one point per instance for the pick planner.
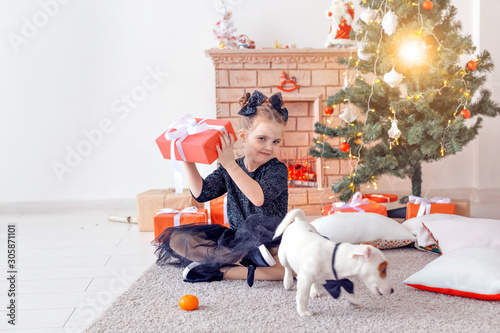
(356, 201)
(177, 218)
(176, 133)
(425, 204)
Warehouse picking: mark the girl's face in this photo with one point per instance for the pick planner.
(261, 143)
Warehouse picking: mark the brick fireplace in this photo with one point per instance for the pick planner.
(318, 76)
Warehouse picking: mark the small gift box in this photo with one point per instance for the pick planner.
(218, 210)
(169, 217)
(357, 204)
(421, 206)
(150, 202)
(194, 139)
(381, 197)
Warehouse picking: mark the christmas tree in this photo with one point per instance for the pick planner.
(407, 93)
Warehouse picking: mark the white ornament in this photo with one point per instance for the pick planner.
(393, 78)
(394, 132)
(368, 16)
(349, 115)
(362, 55)
(390, 22)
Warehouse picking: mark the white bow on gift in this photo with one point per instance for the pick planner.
(357, 200)
(425, 204)
(176, 133)
(177, 218)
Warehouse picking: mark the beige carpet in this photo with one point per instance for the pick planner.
(151, 305)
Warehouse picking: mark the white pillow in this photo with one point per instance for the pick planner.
(469, 272)
(414, 225)
(380, 230)
(456, 233)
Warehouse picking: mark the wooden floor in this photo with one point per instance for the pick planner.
(72, 262)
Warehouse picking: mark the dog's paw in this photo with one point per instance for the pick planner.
(314, 293)
(305, 313)
(354, 301)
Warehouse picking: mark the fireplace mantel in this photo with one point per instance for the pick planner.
(275, 55)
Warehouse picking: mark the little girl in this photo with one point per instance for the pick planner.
(257, 200)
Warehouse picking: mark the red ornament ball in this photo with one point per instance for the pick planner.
(344, 147)
(427, 5)
(328, 110)
(465, 113)
(188, 303)
(471, 65)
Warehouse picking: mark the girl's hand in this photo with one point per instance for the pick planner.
(225, 151)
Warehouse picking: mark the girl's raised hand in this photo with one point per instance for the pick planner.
(225, 150)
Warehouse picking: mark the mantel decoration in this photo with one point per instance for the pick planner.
(342, 15)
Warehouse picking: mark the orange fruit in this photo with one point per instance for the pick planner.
(189, 302)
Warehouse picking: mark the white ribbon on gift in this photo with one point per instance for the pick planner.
(356, 201)
(176, 133)
(177, 218)
(425, 204)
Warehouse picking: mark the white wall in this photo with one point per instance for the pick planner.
(77, 76)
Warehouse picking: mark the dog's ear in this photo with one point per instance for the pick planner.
(363, 251)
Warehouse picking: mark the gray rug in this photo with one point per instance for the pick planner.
(151, 305)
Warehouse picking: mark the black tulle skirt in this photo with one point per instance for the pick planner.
(213, 245)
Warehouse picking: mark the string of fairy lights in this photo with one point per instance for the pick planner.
(411, 51)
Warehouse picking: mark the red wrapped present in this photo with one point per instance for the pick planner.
(381, 197)
(420, 206)
(218, 210)
(357, 204)
(169, 217)
(194, 139)
(150, 202)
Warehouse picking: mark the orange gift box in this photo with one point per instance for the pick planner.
(196, 137)
(218, 210)
(436, 208)
(381, 197)
(371, 207)
(163, 221)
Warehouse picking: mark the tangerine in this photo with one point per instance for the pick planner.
(188, 303)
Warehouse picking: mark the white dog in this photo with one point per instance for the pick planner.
(317, 260)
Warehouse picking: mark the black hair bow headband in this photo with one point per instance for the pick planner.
(254, 101)
(258, 98)
(277, 102)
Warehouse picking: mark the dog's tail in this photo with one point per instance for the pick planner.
(289, 218)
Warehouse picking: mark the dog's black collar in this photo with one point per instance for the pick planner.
(333, 286)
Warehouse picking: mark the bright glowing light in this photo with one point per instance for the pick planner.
(412, 51)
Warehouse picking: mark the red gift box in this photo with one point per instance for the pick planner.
(421, 206)
(168, 217)
(357, 204)
(381, 197)
(218, 210)
(371, 207)
(195, 138)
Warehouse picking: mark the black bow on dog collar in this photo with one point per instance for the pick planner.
(333, 286)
